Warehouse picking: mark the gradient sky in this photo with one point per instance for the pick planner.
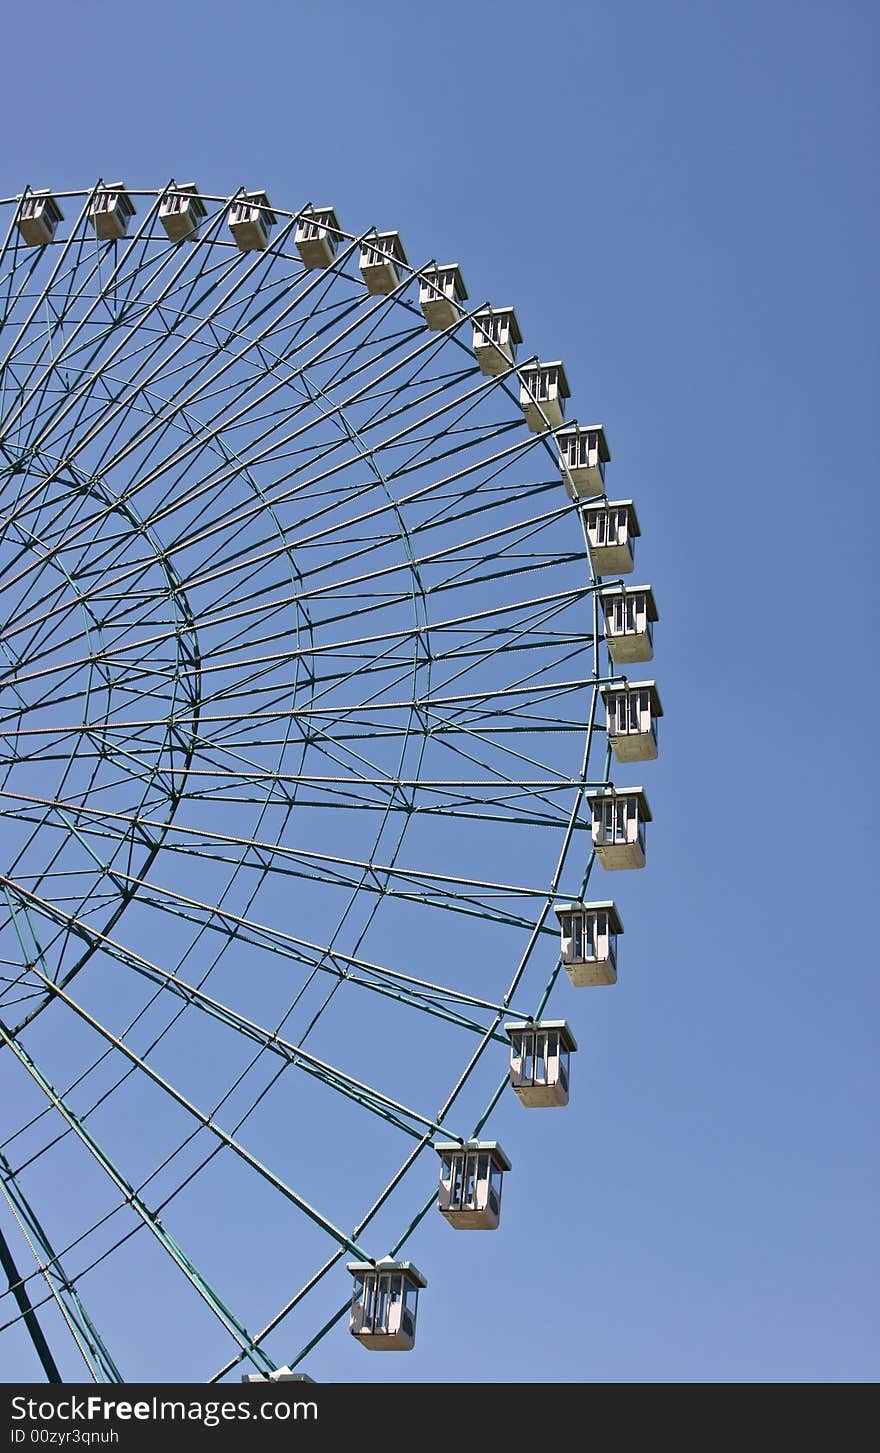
(681, 202)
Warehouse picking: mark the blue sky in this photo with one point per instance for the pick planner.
(680, 201)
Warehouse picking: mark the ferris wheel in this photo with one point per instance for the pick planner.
(318, 652)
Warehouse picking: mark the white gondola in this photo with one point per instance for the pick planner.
(384, 1304)
(182, 211)
(588, 942)
(471, 1176)
(630, 613)
(38, 218)
(612, 528)
(583, 454)
(539, 1061)
(380, 254)
(251, 220)
(496, 338)
(543, 389)
(619, 815)
(283, 1374)
(111, 211)
(631, 720)
(317, 237)
(441, 295)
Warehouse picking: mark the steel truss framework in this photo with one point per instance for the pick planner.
(301, 660)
